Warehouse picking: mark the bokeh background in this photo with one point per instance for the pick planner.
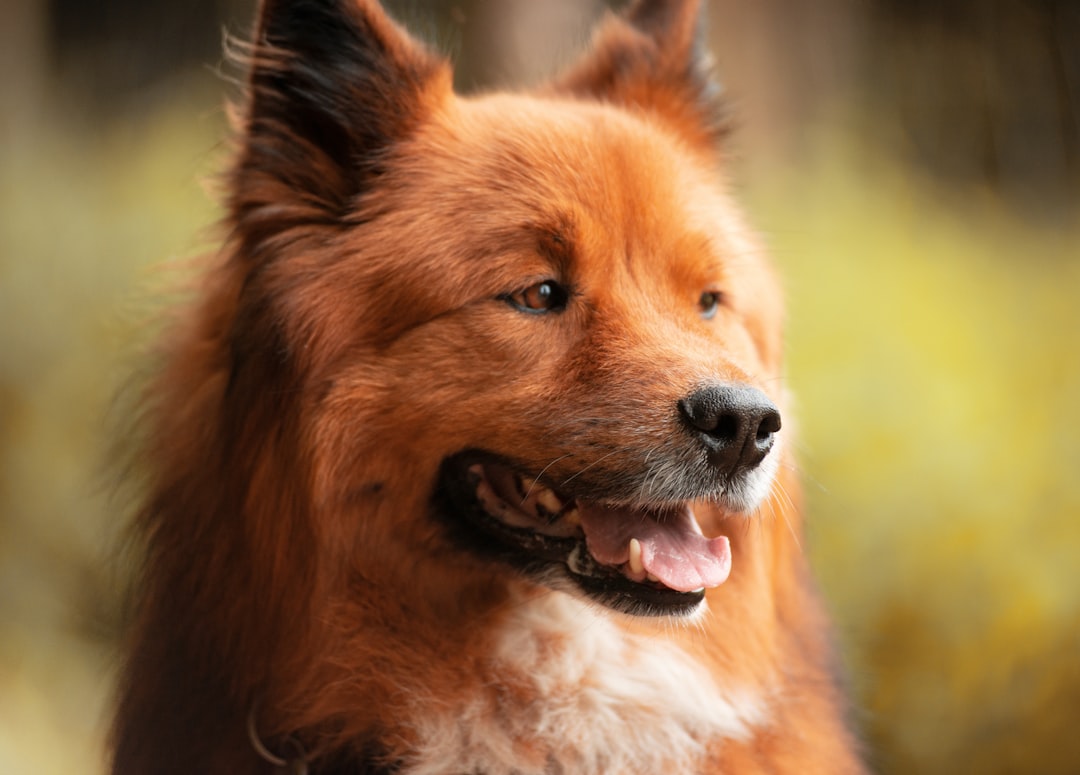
(914, 166)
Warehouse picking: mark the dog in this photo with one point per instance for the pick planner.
(470, 454)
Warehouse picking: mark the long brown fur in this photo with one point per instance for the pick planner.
(354, 334)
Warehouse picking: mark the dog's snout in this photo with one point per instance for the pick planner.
(736, 423)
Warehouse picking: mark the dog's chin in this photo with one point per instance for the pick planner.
(650, 560)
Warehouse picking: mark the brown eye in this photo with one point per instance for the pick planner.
(709, 302)
(547, 296)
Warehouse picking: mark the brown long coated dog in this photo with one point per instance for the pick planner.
(468, 458)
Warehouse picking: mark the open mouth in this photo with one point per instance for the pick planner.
(651, 560)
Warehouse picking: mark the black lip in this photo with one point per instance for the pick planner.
(543, 558)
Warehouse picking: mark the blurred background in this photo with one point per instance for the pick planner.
(914, 166)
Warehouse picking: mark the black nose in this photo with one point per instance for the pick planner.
(736, 423)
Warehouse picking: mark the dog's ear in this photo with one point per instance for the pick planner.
(333, 85)
(654, 59)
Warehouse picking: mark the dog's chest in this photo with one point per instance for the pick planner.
(567, 691)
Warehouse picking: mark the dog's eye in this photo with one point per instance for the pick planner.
(547, 296)
(709, 302)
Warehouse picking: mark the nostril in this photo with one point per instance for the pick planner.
(705, 413)
(770, 424)
(726, 427)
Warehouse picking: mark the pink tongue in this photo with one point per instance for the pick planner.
(674, 549)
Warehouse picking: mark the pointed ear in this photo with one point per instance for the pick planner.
(333, 84)
(654, 59)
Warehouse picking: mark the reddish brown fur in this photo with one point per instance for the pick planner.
(350, 339)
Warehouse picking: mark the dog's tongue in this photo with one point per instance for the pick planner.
(673, 547)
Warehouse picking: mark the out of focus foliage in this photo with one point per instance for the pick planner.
(89, 222)
(934, 355)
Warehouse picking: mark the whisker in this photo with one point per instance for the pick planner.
(542, 472)
(782, 492)
(600, 459)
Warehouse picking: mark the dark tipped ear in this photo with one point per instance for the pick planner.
(333, 84)
(654, 59)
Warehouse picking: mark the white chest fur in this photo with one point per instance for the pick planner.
(569, 692)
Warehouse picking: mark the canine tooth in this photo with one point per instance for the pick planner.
(651, 577)
(572, 516)
(635, 556)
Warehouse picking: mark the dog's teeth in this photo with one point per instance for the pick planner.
(574, 562)
(572, 516)
(635, 557)
(487, 496)
(699, 591)
(651, 577)
(523, 485)
(548, 500)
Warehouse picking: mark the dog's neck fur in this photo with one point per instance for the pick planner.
(557, 662)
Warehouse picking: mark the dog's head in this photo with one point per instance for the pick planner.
(511, 334)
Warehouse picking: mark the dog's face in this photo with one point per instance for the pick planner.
(538, 338)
